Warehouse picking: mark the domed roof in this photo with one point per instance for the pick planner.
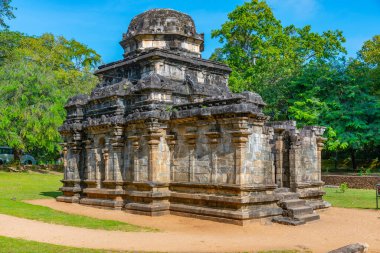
(162, 21)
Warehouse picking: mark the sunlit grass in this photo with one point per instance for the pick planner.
(351, 198)
(16, 187)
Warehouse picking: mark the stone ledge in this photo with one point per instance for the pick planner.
(67, 199)
(71, 189)
(148, 194)
(103, 191)
(225, 186)
(309, 184)
(227, 213)
(113, 204)
(226, 199)
(211, 218)
(148, 207)
(312, 193)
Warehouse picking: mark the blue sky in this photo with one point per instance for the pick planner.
(100, 23)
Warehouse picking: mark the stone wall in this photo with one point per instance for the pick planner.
(38, 168)
(357, 182)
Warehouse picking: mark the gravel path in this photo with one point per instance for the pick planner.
(337, 227)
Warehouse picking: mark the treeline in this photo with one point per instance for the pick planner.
(305, 76)
(37, 76)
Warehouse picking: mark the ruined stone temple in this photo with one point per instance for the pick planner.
(163, 134)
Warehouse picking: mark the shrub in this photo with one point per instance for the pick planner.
(343, 187)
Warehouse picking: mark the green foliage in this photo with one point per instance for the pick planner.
(37, 76)
(265, 55)
(334, 95)
(6, 12)
(343, 187)
(370, 54)
(302, 75)
(16, 187)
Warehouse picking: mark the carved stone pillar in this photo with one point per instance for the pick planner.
(279, 160)
(153, 139)
(117, 143)
(105, 153)
(239, 140)
(64, 153)
(135, 147)
(98, 166)
(89, 175)
(320, 146)
(213, 138)
(171, 140)
(191, 139)
(294, 160)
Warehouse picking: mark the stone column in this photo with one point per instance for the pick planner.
(64, 153)
(239, 140)
(213, 138)
(135, 147)
(294, 160)
(89, 160)
(320, 145)
(77, 162)
(279, 149)
(117, 143)
(191, 139)
(105, 153)
(171, 140)
(153, 139)
(98, 165)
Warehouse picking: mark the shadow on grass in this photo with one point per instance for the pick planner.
(51, 194)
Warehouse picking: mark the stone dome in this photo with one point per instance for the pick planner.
(162, 21)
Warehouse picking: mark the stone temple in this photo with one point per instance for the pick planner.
(163, 134)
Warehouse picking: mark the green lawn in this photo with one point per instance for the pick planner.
(15, 187)
(351, 198)
(11, 245)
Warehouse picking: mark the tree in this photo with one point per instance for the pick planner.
(338, 95)
(6, 12)
(370, 54)
(36, 80)
(265, 56)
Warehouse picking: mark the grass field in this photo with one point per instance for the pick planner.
(16, 187)
(11, 245)
(351, 198)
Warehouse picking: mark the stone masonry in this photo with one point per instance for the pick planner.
(162, 133)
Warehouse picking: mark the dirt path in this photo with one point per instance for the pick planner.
(336, 228)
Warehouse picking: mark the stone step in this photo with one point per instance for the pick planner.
(288, 196)
(297, 211)
(307, 217)
(292, 203)
(281, 190)
(288, 221)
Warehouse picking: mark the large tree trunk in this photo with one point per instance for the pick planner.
(17, 156)
(353, 160)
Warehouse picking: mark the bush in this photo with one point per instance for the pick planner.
(343, 187)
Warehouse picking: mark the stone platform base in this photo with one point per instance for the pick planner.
(231, 204)
(68, 199)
